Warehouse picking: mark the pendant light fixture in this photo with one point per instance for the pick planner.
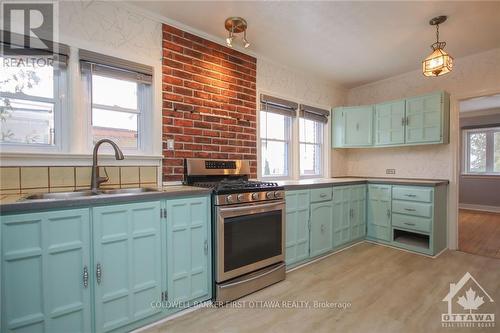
(438, 62)
(236, 25)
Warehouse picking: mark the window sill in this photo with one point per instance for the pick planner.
(481, 176)
(64, 159)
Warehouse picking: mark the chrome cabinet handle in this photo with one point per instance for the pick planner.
(322, 229)
(408, 223)
(322, 195)
(205, 247)
(98, 273)
(410, 209)
(402, 121)
(357, 126)
(388, 212)
(411, 195)
(407, 121)
(85, 276)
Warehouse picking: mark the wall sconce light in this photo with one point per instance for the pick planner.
(236, 25)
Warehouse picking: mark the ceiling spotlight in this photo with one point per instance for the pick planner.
(438, 62)
(236, 25)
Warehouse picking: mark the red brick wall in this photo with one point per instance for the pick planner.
(200, 76)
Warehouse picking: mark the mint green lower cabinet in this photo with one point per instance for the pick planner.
(297, 226)
(321, 228)
(358, 209)
(379, 212)
(188, 249)
(127, 263)
(341, 215)
(44, 256)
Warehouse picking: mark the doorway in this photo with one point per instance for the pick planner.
(479, 180)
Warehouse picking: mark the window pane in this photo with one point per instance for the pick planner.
(27, 122)
(477, 152)
(120, 127)
(274, 158)
(114, 92)
(310, 131)
(274, 126)
(35, 78)
(496, 140)
(310, 159)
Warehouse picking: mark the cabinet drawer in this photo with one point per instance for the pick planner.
(412, 208)
(321, 194)
(411, 222)
(422, 194)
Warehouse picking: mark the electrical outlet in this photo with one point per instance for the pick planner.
(390, 171)
(170, 144)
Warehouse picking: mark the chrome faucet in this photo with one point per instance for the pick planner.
(96, 180)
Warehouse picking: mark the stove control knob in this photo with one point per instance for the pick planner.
(270, 195)
(240, 197)
(229, 199)
(255, 196)
(278, 195)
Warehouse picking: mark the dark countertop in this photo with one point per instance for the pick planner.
(13, 203)
(340, 181)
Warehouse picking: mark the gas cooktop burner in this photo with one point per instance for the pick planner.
(237, 185)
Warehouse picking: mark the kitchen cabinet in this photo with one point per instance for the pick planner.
(389, 123)
(427, 118)
(127, 261)
(321, 228)
(352, 126)
(297, 226)
(379, 212)
(189, 273)
(358, 212)
(349, 213)
(45, 272)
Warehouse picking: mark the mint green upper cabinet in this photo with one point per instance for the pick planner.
(427, 118)
(127, 263)
(341, 215)
(379, 212)
(321, 227)
(188, 249)
(358, 211)
(358, 126)
(389, 123)
(338, 125)
(297, 226)
(44, 257)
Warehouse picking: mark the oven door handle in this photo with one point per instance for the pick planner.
(252, 278)
(243, 208)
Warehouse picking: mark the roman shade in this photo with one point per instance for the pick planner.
(313, 113)
(37, 47)
(278, 105)
(101, 64)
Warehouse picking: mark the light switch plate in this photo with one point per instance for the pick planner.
(390, 171)
(170, 144)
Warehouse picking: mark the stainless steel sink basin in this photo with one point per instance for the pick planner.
(135, 190)
(60, 195)
(88, 193)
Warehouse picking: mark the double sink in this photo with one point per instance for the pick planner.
(87, 193)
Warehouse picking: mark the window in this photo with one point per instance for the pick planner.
(120, 98)
(482, 150)
(312, 122)
(31, 93)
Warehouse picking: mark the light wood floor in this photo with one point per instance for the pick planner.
(390, 291)
(479, 233)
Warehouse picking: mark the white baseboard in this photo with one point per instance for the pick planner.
(482, 208)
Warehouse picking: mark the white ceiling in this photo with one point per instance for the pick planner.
(480, 103)
(351, 43)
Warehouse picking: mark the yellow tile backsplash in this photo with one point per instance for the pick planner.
(27, 180)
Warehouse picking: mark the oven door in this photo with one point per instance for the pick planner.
(249, 237)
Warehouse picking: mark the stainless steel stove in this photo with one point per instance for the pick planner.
(249, 226)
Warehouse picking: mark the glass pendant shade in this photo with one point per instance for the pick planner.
(437, 63)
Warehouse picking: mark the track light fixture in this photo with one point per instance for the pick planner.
(236, 25)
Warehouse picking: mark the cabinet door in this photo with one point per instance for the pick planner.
(389, 123)
(297, 226)
(44, 256)
(341, 216)
(358, 211)
(338, 125)
(424, 118)
(321, 227)
(358, 126)
(188, 249)
(379, 212)
(127, 259)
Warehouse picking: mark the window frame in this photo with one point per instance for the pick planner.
(321, 137)
(288, 146)
(60, 101)
(490, 153)
(144, 112)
